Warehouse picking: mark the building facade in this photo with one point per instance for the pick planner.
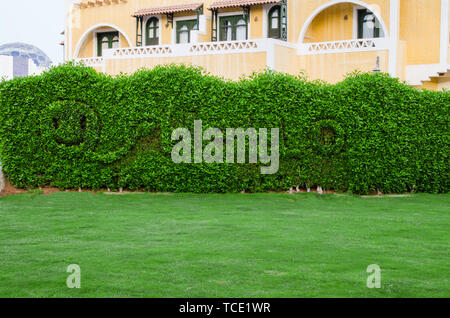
(324, 39)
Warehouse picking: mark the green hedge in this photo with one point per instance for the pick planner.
(74, 128)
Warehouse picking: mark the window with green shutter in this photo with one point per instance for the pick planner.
(184, 29)
(233, 28)
(152, 31)
(275, 22)
(107, 40)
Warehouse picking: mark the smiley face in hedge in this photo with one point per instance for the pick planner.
(70, 125)
(327, 137)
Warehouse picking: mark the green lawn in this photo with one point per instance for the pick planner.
(236, 245)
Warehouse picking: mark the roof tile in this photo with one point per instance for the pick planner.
(168, 9)
(239, 3)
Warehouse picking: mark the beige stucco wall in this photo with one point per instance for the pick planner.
(401, 60)
(332, 24)
(331, 68)
(87, 48)
(256, 20)
(218, 65)
(334, 67)
(285, 61)
(420, 28)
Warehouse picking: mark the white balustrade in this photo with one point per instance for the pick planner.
(91, 61)
(142, 51)
(355, 45)
(190, 49)
(248, 46)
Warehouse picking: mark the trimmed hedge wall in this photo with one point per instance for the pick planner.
(75, 128)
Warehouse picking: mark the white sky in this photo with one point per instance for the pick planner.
(36, 22)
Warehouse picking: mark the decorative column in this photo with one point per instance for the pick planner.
(394, 30)
(444, 33)
(284, 20)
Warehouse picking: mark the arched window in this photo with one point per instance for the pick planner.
(152, 28)
(275, 22)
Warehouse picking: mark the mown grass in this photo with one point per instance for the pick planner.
(235, 245)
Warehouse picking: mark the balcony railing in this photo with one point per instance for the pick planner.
(144, 51)
(221, 47)
(356, 45)
(91, 61)
(191, 49)
(248, 46)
